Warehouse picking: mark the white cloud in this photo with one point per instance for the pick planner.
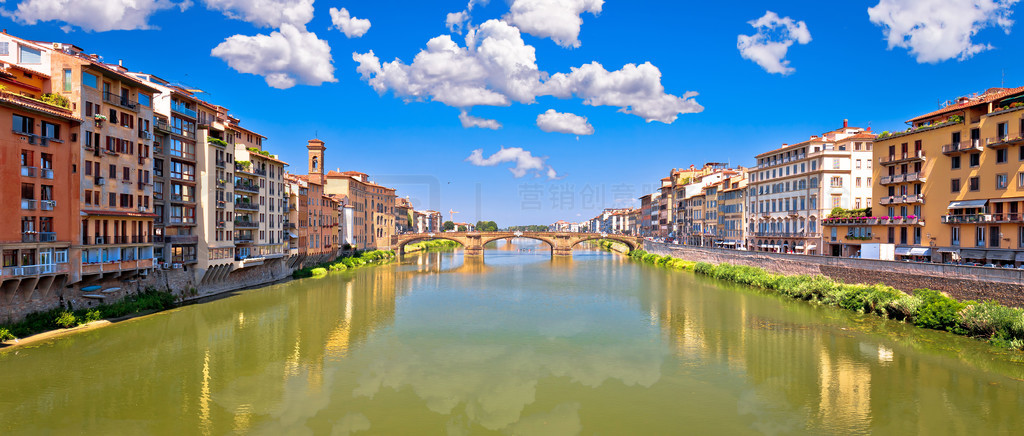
(556, 19)
(351, 26)
(483, 123)
(768, 47)
(635, 89)
(553, 121)
(939, 30)
(285, 58)
(496, 68)
(524, 161)
(266, 13)
(91, 15)
(455, 21)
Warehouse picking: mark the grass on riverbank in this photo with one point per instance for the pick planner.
(432, 245)
(61, 318)
(989, 320)
(344, 263)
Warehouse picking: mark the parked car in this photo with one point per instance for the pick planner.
(990, 265)
(1009, 265)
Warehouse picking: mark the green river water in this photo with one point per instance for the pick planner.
(517, 344)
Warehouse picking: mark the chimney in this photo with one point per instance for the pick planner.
(120, 62)
(846, 123)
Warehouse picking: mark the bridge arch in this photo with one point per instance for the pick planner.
(421, 237)
(631, 242)
(551, 243)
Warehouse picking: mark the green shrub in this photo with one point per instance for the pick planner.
(904, 307)
(5, 335)
(704, 268)
(879, 296)
(92, 315)
(938, 311)
(990, 319)
(319, 272)
(66, 320)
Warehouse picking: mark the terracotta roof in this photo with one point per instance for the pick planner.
(37, 106)
(988, 97)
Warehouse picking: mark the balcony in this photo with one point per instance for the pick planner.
(246, 206)
(961, 147)
(243, 168)
(182, 221)
(144, 134)
(902, 199)
(851, 221)
(116, 266)
(1008, 218)
(28, 171)
(47, 205)
(28, 204)
(785, 235)
(247, 187)
(260, 172)
(221, 224)
(38, 237)
(46, 173)
(179, 198)
(968, 219)
(900, 158)
(120, 100)
(243, 239)
(182, 109)
(221, 164)
(221, 204)
(246, 224)
(34, 270)
(181, 239)
(1004, 141)
(182, 132)
(161, 126)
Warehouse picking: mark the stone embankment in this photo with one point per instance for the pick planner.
(961, 282)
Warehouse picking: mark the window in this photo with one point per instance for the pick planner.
(90, 80)
(50, 130)
(23, 125)
(980, 236)
(955, 161)
(975, 159)
(837, 181)
(837, 201)
(1001, 181)
(975, 183)
(954, 236)
(835, 164)
(1001, 155)
(858, 184)
(954, 185)
(29, 55)
(4, 51)
(67, 79)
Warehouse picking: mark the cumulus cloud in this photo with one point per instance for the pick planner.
(351, 26)
(496, 68)
(483, 123)
(265, 13)
(524, 160)
(556, 19)
(768, 47)
(91, 15)
(939, 30)
(285, 58)
(456, 20)
(634, 89)
(553, 121)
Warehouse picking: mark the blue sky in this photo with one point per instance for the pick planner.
(842, 67)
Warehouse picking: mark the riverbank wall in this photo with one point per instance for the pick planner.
(186, 283)
(961, 282)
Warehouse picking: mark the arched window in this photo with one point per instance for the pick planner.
(314, 163)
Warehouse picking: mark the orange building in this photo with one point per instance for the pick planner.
(38, 243)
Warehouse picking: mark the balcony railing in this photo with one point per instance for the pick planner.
(961, 147)
(904, 157)
(221, 224)
(144, 134)
(28, 204)
(183, 198)
(247, 187)
(181, 239)
(182, 220)
(47, 204)
(46, 173)
(28, 171)
(851, 221)
(183, 132)
(116, 265)
(119, 100)
(221, 164)
(246, 206)
(221, 204)
(34, 270)
(161, 125)
(38, 237)
(1003, 141)
(243, 238)
(786, 235)
(246, 224)
(182, 109)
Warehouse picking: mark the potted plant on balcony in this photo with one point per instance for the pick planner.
(99, 119)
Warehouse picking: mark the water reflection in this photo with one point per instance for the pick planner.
(518, 342)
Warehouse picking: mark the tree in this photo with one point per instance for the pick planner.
(448, 225)
(486, 226)
(462, 228)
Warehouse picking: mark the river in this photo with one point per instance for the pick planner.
(517, 344)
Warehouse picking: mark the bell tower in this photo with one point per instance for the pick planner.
(316, 160)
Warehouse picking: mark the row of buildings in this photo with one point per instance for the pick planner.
(122, 172)
(947, 188)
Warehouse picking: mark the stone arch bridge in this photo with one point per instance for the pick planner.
(561, 243)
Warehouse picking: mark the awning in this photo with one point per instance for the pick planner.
(811, 247)
(949, 250)
(798, 247)
(919, 251)
(1020, 257)
(1006, 200)
(903, 251)
(967, 204)
(972, 254)
(292, 235)
(1005, 256)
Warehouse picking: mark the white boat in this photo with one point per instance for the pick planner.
(110, 290)
(95, 296)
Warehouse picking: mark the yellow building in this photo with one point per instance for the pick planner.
(950, 187)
